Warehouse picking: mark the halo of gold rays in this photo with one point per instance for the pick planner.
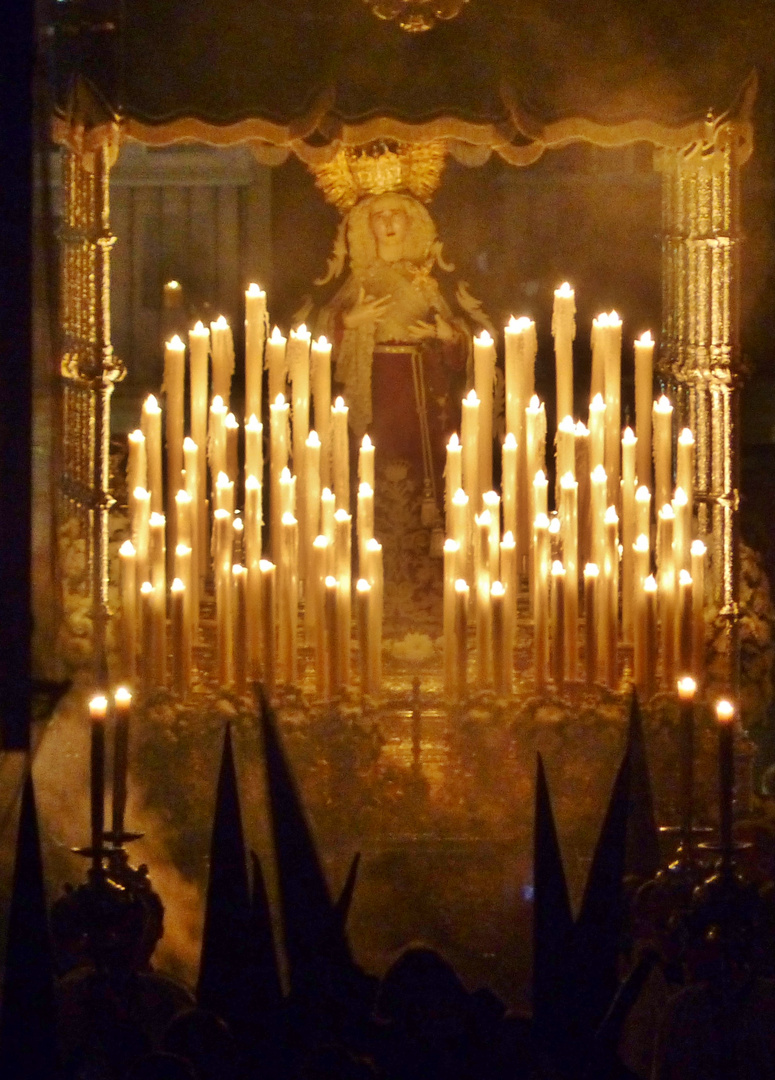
(379, 168)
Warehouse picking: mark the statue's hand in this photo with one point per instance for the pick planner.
(420, 330)
(366, 309)
(444, 331)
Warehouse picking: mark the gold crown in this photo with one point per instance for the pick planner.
(379, 168)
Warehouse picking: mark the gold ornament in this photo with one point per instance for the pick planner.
(379, 168)
(415, 16)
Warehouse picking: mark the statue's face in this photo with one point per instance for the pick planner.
(389, 223)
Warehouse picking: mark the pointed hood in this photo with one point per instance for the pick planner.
(28, 1017)
(344, 903)
(267, 972)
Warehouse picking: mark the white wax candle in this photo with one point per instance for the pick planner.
(198, 522)
(375, 576)
(316, 606)
(278, 460)
(629, 447)
(521, 346)
(340, 454)
(684, 468)
(174, 378)
(181, 638)
(641, 560)
(510, 580)
(288, 599)
(365, 521)
(683, 623)
(591, 580)
(136, 470)
(569, 491)
(151, 427)
(557, 625)
(128, 563)
(564, 332)
(491, 501)
(216, 440)
(459, 526)
(366, 462)
(320, 376)
(663, 450)
(541, 600)
(222, 347)
(469, 432)
(141, 526)
(275, 363)
(252, 559)
(484, 384)
(566, 447)
(268, 626)
(287, 492)
(363, 605)
(343, 565)
(333, 647)
(598, 500)
(650, 666)
(311, 497)
(222, 564)
(198, 348)
(597, 411)
(509, 483)
(451, 557)
(667, 594)
(682, 537)
(613, 400)
(254, 448)
(224, 493)
(501, 660)
(453, 474)
(611, 599)
(584, 482)
(599, 343)
(644, 375)
(182, 571)
(698, 552)
(482, 582)
(643, 511)
(231, 429)
(327, 511)
(157, 554)
(461, 639)
(535, 436)
(255, 334)
(239, 576)
(298, 355)
(183, 523)
(154, 647)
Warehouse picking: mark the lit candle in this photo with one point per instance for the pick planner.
(598, 494)
(224, 493)
(216, 441)
(610, 600)
(183, 524)
(566, 447)
(231, 430)
(239, 575)
(461, 642)
(451, 559)
(643, 511)
(151, 427)
(268, 626)
(198, 349)
(316, 604)
(509, 483)
(223, 561)
(287, 492)
(128, 562)
(366, 462)
(222, 347)
(278, 460)
(453, 474)
(613, 399)
(725, 714)
(181, 639)
(698, 551)
(320, 375)
(599, 343)
(375, 576)
(122, 700)
(541, 599)
(238, 533)
(682, 538)
(644, 375)
(157, 552)
(469, 432)
(183, 571)
(501, 658)
(311, 495)
(363, 603)
(597, 411)
(98, 709)
(174, 378)
(521, 346)
(275, 363)
(484, 384)
(663, 450)
(340, 454)
(629, 446)
(288, 598)
(252, 560)
(584, 482)
(298, 356)
(591, 578)
(365, 521)
(482, 582)
(667, 593)
(136, 470)
(683, 622)
(254, 449)
(333, 626)
(148, 626)
(327, 511)
(343, 567)
(535, 436)
(540, 488)
(687, 688)
(491, 501)
(650, 637)
(198, 521)
(557, 650)
(255, 335)
(569, 491)
(684, 466)
(564, 332)
(459, 526)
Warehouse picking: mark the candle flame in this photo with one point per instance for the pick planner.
(645, 338)
(238, 524)
(601, 320)
(451, 546)
(554, 526)
(650, 584)
(339, 405)
(279, 402)
(641, 543)
(238, 570)
(255, 290)
(520, 325)
(564, 290)
(127, 550)
(599, 475)
(684, 578)
(611, 517)
(285, 475)
(508, 540)
(461, 586)
(373, 545)
(484, 519)
(172, 285)
(220, 323)
(567, 426)
(151, 405)
(597, 404)
(365, 491)
(687, 688)
(199, 329)
(313, 440)
(539, 480)
(663, 405)
(157, 520)
(362, 585)
(320, 541)
(643, 494)
(98, 707)
(558, 570)
(252, 483)
(136, 436)
(231, 422)
(222, 480)
(491, 499)
(629, 438)
(510, 442)
(183, 550)
(535, 404)
(254, 424)
(686, 438)
(217, 404)
(460, 498)
(221, 515)
(342, 517)
(680, 498)
(568, 481)
(276, 336)
(541, 521)
(613, 319)
(698, 549)
(176, 344)
(591, 570)
(453, 444)
(189, 446)
(266, 566)
(301, 332)
(471, 399)
(322, 344)
(483, 339)
(667, 513)
(725, 711)
(366, 442)
(331, 582)
(146, 588)
(326, 495)
(122, 696)
(177, 586)
(582, 431)
(497, 589)
(183, 496)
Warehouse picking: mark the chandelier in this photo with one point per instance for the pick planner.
(415, 16)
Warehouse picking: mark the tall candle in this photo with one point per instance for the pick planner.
(584, 482)
(222, 347)
(239, 575)
(461, 631)
(599, 344)
(224, 493)
(181, 639)
(453, 474)
(366, 462)
(535, 436)
(98, 708)
(343, 565)
(557, 649)
(255, 334)
(510, 579)
(491, 501)
(327, 511)
(268, 626)
(183, 523)
(223, 561)
(591, 579)
(482, 583)
(611, 600)
(682, 539)
(698, 551)
(137, 470)
(278, 460)
(451, 557)
(564, 332)
(340, 454)
(216, 441)
(363, 603)
(484, 384)
(643, 511)
(613, 400)
(641, 568)
(157, 553)
(151, 427)
(521, 345)
(541, 599)
(128, 562)
(684, 466)
(644, 375)
(298, 353)
(501, 657)
(687, 688)
(311, 496)
(469, 431)
(320, 375)
(375, 576)
(725, 714)
(683, 623)
(122, 700)
(333, 627)
(231, 430)
(459, 527)
(254, 448)
(667, 594)
(198, 349)
(148, 624)
(287, 492)
(597, 411)
(275, 363)
(315, 604)
(174, 378)
(253, 524)
(198, 517)
(663, 450)
(569, 490)
(598, 500)
(182, 570)
(288, 598)
(629, 447)
(365, 521)
(566, 447)
(509, 483)
(650, 665)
